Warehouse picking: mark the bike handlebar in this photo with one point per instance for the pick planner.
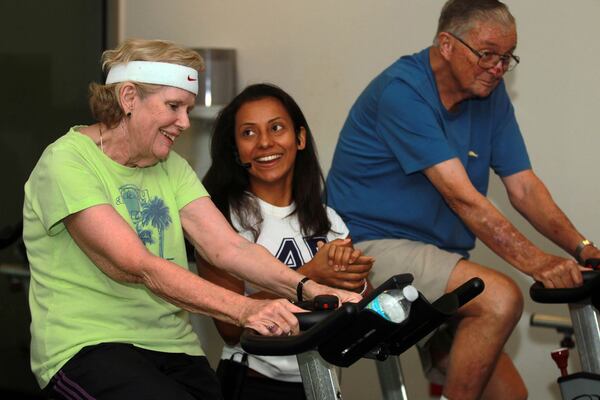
(344, 335)
(320, 325)
(591, 286)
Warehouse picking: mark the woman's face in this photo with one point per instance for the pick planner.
(156, 122)
(265, 138)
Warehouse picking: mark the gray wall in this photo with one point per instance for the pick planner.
(325, 51)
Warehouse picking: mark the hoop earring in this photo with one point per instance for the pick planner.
(128, 114)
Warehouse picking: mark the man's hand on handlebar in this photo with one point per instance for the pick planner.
(557, 272)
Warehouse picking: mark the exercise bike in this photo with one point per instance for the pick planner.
(584, 308)
(351, 332)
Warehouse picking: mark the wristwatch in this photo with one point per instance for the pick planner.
(583, 244)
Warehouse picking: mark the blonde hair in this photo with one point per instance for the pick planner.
(104, 99)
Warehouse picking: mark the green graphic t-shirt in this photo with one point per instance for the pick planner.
(73, 304)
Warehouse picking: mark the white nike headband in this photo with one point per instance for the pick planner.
(158, 73)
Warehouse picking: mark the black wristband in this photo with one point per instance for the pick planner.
(299, 288)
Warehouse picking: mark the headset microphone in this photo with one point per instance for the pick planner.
(245, 165)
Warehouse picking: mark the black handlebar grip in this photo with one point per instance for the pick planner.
(593, 263)
(320, 302)
(591, 283)
(468, 290)
(325, 302)
(308, 319)
(331, 324)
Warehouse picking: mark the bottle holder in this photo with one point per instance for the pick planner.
(353, 331)
(371, 334)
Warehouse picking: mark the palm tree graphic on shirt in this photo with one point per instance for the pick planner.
(145, 235)
(143, 212)
(156, 213)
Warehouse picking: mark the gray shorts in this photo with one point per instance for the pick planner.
(430, 266)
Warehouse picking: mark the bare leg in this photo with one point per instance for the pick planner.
(505, 382)
(485, 324)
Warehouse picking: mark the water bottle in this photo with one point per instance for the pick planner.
(394, 304)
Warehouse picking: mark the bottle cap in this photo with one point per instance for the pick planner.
(410, 293)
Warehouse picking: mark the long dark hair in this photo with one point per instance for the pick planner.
(227, 180)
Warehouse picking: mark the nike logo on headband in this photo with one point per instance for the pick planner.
(156, 73)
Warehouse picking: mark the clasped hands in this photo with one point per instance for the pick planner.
(339, 264)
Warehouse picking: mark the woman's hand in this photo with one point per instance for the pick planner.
(338, 264)
(270, 317)
(340, 253)
(311, 289)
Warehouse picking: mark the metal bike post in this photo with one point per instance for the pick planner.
(585, 319)
(391, 379)
(319, 377)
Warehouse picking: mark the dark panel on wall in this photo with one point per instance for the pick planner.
(49, 53)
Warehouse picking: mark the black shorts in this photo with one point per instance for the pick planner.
(239, 382)
(270, 389)
(122, 371)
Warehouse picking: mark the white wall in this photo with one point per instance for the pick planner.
(325, 51)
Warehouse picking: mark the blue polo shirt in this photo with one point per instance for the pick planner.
(397, 128)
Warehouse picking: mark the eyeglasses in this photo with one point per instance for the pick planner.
(489, 59)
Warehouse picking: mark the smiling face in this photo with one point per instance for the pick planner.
(265, 138)
(470, 78)
(155, 123)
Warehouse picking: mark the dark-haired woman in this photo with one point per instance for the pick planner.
(266, 179)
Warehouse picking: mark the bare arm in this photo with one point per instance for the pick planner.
(319, 269)
(113, 246)
(529, 195)
(202, 223)
(229, 332)
(492, 228)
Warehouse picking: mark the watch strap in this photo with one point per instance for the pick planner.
(582, 245)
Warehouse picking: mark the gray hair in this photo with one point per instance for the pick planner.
(459, 16)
